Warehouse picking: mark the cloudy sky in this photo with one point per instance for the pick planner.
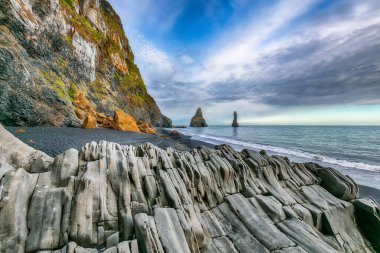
(273, 61)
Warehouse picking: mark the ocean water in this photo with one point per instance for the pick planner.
(354, 150)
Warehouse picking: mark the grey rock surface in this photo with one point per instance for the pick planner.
(368, 212)
(112, 198)
(18, 154)
(165, 122)
(197, 120)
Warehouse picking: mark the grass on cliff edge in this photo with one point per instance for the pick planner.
(132, 84)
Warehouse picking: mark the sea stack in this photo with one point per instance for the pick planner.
(234, 122)
(197, 120)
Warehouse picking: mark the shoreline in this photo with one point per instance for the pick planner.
(40, 138)
(364, 191)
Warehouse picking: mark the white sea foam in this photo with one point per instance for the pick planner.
(284, 151)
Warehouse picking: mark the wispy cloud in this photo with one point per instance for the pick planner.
(160, 15)
(288, 55)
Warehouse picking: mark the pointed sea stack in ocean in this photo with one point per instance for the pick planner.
(197, 120)
(234, 122)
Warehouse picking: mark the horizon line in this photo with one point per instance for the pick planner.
(376, 125)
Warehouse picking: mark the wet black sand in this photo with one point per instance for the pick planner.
(54, 141)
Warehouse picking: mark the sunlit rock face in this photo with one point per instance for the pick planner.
(86, 53)
(112, 198)
(50, 49)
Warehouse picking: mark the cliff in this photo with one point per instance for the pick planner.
(112, 198)
(52, 51)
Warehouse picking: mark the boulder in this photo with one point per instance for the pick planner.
(174, 133)
(234, 122)
(146, 127)
(89, 121)
(367, 212)
(339, 185)
(197, 120)
(17, 153)
(124, 122)
(121, 120)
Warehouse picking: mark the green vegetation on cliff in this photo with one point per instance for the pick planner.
(79, 46)
(111, 42)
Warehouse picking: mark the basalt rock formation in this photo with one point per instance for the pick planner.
(52, 49)
(234, 122)
(111, 198)
(197, 120)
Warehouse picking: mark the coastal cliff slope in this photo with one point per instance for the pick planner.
(54, 53)
(112, 198)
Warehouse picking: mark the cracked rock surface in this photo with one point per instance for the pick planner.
(112, 198)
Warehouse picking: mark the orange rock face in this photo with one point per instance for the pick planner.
(89, 121)
(121, 120)
(124, 122)
(146, 127)
(79, 113)
(81, 102)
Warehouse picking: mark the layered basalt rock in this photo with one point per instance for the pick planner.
(111, 198)
(51, 49)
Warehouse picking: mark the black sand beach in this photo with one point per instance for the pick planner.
(54, 141)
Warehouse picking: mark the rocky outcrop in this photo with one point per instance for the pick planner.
(197, 120)
(165, 122)
(50, 49)
(14, 151)
(125, 122)
(368, 212)
(146, 127)
(112, 198)
(120, 120)
(234, 122)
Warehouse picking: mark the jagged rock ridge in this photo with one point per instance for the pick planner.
(112, 198)
(52, 49)
(197, 120)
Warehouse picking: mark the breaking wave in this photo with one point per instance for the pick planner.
(238, 144)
